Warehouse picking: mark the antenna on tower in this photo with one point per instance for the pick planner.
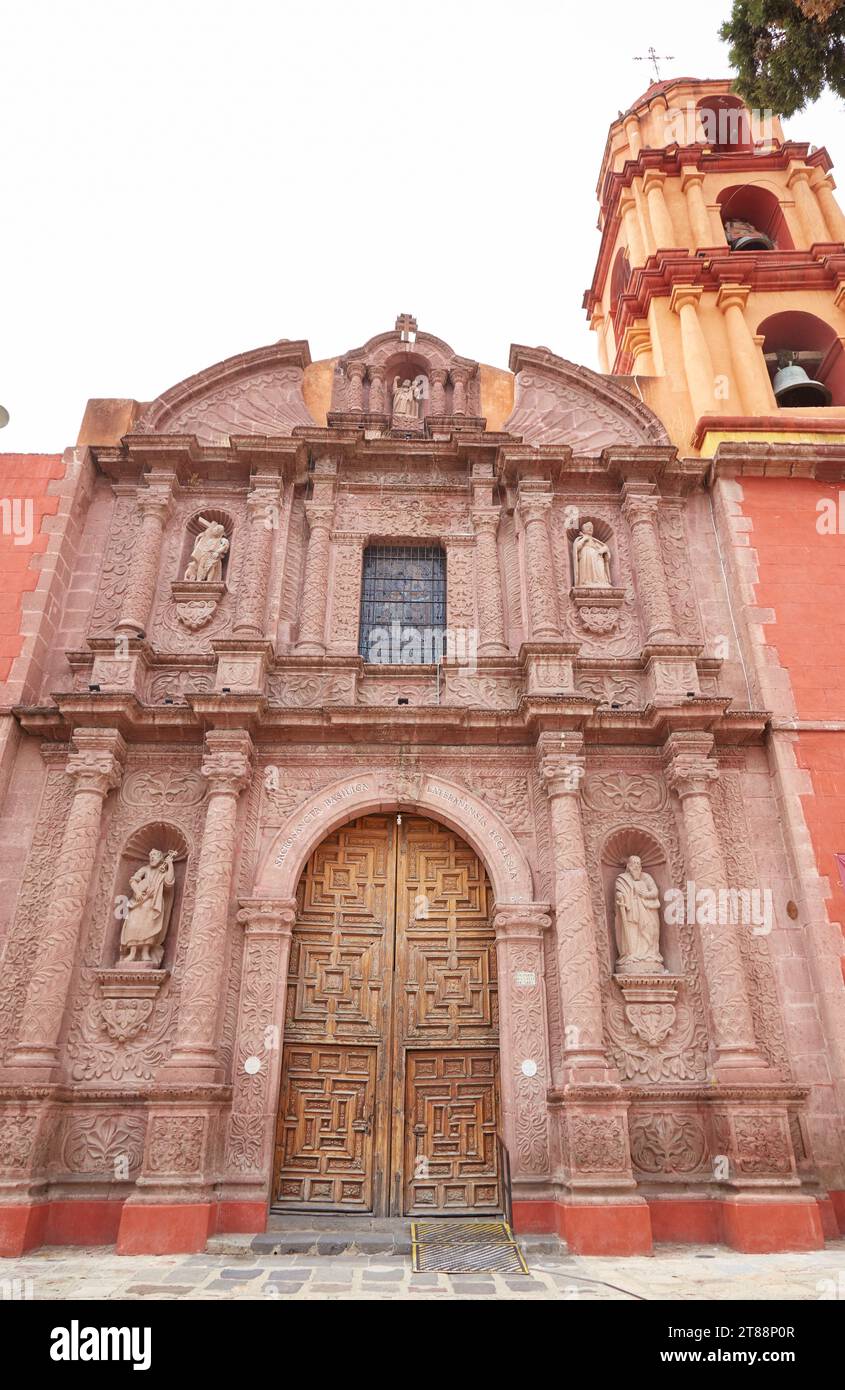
(655, 58)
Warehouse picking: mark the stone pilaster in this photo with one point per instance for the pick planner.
(345, 612)
(228, 767)
(488, 585)
(534, 512)
(460, 378)
(355, 394)
(439, 377)
(267, 924)
(640, 504)
(376, 391)
(154, 504)
(262, 525)
(561, 765)
(312, 622)
(751, 380)
(96, 768)
(698, 364)
(523, 1037)
(691, 771)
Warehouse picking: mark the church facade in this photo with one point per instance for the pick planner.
(405, 808)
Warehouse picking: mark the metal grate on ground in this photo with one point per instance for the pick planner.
(452, 1246)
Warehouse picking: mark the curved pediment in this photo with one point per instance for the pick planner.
(257, 392)
(557, 402)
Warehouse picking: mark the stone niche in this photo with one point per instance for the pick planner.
(159, 835)
(196, 599)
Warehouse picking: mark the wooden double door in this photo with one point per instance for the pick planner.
(390, 1070)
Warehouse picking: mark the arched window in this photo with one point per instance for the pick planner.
(805, 360)
(753, 219)
(725, 124)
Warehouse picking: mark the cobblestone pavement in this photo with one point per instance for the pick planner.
(692, 1273)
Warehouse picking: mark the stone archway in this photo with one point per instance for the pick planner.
(268, 918)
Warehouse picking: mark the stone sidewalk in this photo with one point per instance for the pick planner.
(691, 1273)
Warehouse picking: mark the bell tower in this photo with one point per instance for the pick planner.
(719, 291)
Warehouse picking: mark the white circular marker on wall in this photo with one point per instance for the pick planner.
(529, 1068)
(252, 1065)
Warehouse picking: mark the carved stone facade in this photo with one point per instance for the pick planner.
(577, 720)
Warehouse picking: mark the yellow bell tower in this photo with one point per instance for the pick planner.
(720, 282)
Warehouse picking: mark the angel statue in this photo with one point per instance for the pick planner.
(148, 912)
(206, 563)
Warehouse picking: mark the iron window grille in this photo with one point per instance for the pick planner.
(403, 605)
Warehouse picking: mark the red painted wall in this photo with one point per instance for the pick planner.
(802, 578)
(23, 477)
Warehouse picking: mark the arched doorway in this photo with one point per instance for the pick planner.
(389, 1100)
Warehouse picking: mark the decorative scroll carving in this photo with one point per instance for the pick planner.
(116, 567)
(103, 1144)
(663, 1142)
(557, 402)
(310, 692)
(175, 1143)
(598, 1144)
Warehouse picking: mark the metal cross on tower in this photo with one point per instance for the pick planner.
(655, 58)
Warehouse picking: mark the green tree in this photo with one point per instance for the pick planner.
(786, 51)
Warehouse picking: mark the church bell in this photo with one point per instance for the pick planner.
(793, 387)
(744, 236)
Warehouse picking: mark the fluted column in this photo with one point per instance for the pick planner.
(438, 378)
(665, 236)
(523, 1037)
(691, 183)
(640, 505)
(633, 234)
(96, 767)
(315, 587)
(539, 568)
(815, 228)
(355, 393)
(561, 766)
(752, 380)
(833, 214)
(262, 526)
(268, 925)
(228, 767)
(691, 772)
(488, 584)
(698, 364)
(154, 503)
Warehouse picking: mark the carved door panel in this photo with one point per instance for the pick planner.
(392, 975)
(451, 1120)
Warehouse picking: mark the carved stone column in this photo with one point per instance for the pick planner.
(698, 364)
(561, 765)
(833, 214)
(460, 376)
(355, 395)
(154, 503)
(690, 771)
(344, 618)
(539, 567)
(523, 1038)
(491, 613)
(263, 523)
(315, 587)
(439, 377)
(228, 766)
(267, 925)
(640, 504)
(633, 235)
(752, 385)
(376, 391)
(96, 768)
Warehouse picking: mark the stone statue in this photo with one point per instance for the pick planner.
(592, 560)
(405, 397)
(148, 915)
(206, 563)
(638, 922)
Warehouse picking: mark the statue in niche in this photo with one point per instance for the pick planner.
(148, 912)
(206, 563)
(406, 395)
(637, 920)
(592, 560)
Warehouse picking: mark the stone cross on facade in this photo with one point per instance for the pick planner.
(406, 325)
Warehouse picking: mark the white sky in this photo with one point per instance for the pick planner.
(188, 179)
